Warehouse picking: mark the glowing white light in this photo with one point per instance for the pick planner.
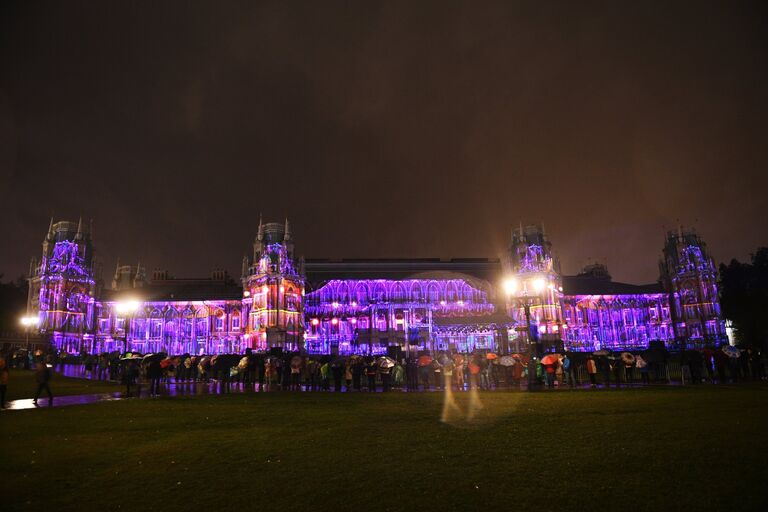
(246, 293)
(538, 284)
(127, 306)
(353, 320)
(334, 321)
(442, 303)
(510, 285)
(315, 321)
(335, 305)
(264, 289)
(282, 289)
(27, 321)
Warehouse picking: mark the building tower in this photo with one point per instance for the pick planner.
(534, 289)
(689, 275)
(273, 289)
(62, 287)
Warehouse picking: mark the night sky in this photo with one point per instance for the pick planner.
(393, 129)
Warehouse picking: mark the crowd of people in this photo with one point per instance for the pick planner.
(480, 370)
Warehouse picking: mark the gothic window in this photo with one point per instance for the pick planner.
(433, 292)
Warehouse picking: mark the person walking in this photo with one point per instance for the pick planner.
(3, 381)
(43, 377)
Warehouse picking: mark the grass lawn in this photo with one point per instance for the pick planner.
(22, 384)
(668, 448)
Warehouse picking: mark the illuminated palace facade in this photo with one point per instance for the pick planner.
(371, 306)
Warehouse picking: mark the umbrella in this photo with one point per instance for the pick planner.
(385, 362)
(425, 360)
(474, 368)
(165, 363)
(130, 357)
(627, 358)
(731, 351)
(550, 359)
(491, 356)
(243, 364)
(507, 361)
(602, 352)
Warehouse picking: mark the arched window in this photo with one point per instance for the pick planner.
(433, 291)
(361, 293)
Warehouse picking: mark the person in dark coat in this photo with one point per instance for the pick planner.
(338, 374)
(43, 377)
(130, 374)
(370, 371)
(154, 372)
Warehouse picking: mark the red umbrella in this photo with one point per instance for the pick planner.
(550, 359)
(491, 356)
(425, 360)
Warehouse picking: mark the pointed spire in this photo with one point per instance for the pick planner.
(543, 231)
(244, 268)
(49, 235)
(79, 235)
(521, 228)
(260, 235)
(287, 229)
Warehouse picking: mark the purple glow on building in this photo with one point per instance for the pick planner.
(367, 316)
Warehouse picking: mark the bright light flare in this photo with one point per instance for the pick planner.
(127, 306)
(510, 285)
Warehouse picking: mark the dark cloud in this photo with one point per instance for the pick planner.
(383, 129)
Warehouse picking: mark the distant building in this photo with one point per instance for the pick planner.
(371, 306)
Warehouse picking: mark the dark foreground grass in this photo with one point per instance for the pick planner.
(646, 449)
(22, 384)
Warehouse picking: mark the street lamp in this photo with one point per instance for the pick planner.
(127, 308)
(538, 285)
(28, 322)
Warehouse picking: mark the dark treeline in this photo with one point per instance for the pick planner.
(13, 303)
(744, 298)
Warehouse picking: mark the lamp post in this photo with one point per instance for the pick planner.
(538, 284)
(126, 309)
(28, 322)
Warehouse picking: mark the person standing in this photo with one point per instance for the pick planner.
(370, 371)
(3, 381)
(642, 365)
(357, 374)
(43, 377)
(348, 374)
(592, 371)
(325, 370)
(338, 373)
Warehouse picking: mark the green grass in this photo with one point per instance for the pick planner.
(22, 384)
(644, 449)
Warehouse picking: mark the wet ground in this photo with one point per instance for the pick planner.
(175, 389)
